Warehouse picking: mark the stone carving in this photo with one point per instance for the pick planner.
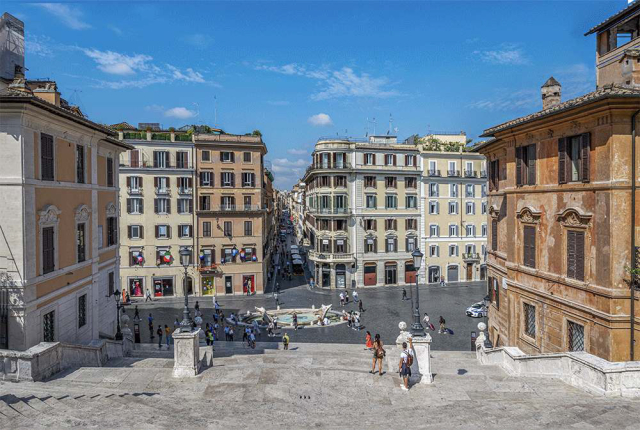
(111, 209)
(529, 216)
(494, 212)
(324, 309)
(49, 215)
(550, 133)
(265, 316)
(572, 218)
(83, 213)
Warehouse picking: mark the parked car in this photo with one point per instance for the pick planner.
(477, 310)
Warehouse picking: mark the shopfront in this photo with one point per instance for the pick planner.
(163, 287)
(341, 276)
(136, 286)
(370, 275)
(409, 273)
(390, 273)
(208, 285)
(248, 284)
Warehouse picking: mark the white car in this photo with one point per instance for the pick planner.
(477, 310)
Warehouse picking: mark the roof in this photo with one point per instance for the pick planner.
(9, 95)
(122, 125)
(633, 7)
(607, 91)
(551, 82)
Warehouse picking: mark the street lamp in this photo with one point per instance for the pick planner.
(416, 327)
(117, 295)
(185, 325)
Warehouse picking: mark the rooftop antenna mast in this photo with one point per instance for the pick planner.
(390, 123)
(215, 111)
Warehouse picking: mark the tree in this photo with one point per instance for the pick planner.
(256, 133)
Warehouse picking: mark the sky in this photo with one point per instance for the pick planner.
(298, 71)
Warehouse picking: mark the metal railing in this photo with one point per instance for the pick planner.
(433, 172)
(163, 191)
(329, 211)
(471, 256)
(233, 208)
(134, 191)
(185, 190)
(483, 173)
(453, 173)
(330, 256)
(470, 173)
(331, 165)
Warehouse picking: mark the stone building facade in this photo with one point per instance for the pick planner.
(561, 222)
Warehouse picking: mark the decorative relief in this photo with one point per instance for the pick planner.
(529, 137)
(549, 133)
(83, 213)
(494, 212)
(529, 216)
(575, 126)
(49, 215)
(572, 218)
(111, 209)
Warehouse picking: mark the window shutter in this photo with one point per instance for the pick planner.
(531, 160)
(141, 229)
(168, 206)
(156, 158)
(519, 166)
(490, 174)
(141, 206)
(166, 159)
(494, 235)
(128, 181)
(128, 206)
(586, 150)
(190, 206)
(233, 157)
(579, 235)
(169, 231)
(129, 231)
(575, 255)
(394, 159)
(155, 181)
(233, 179)
(374, 159)
(562, 160)
(529, 236)
(155, 207)
(437, 207)
(190, 182)
(157, 231)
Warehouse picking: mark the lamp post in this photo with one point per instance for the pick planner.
(185, 325)
(117, 295)
(416, 327)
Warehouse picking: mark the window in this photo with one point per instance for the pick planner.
(325, 245)
(433, 190)
(434, 230)
(100, 237)
(82, 311)
(391, 244)
(529, 246)
(324, 181)
(227, 179)
(248, 255)
(453, 250)
(575, 254)
(453, 230)
(227, 157)
(163, 232)
(228, 202)
(111, 284)
(162, 184)
(369, 159)
(391, 202)
(411, 224)
(248, 180)
(112, 231)
(410, 160)
(184, 230)
(246, 157)
(494, 175)
(80, 242)
(340, 181)
(341, 246)
(453, 208)
(182, 160)
(206, 229)
(470, 230)
(390, 273)
(48, 250)
(483, 190)
(468, 171)
(484, 230)
(453, 190)
(484, 208)
(526, 165)
(162, 206)
(48, 327)
(494, 234)
(434, 251)
(370, 224)
(134, 183)
(576, 336)
(410, 182)
(341, 225)
(135, 232)
(184, 185)
(433, 207)
(469, 190)
(370, 181)
(390, 160)
(471, 208)
(135, 206)
(206, 155)
(205, 203)
(433, 168)
(573, 158)
(411, 244)
(529, 320)
(247, 203)
(390, 182)
(80, 164)
(412, 202)
(370, 245)
(452, 169)
(248, 228)
(134, 158)
(46, 157)
(371, 202)
(228, 229)
(206, 179)
(110, 172)
(390, 224)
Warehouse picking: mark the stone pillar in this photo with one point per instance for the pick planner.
(186, 353)
(421, 368)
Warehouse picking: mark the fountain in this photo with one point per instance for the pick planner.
(307, 317)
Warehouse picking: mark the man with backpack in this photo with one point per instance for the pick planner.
(406, 361)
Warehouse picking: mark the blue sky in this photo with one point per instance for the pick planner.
(301, 70)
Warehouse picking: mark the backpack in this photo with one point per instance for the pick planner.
(409, 358)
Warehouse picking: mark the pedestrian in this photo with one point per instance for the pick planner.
(404, 366)
(270, 329)
(136, 314)
(378, 354)
(404, 294)
(360, 306)
(426, 320)
(211, 338)
(275, 323)
(206, 337)
(245, 334)
(341, 298)
(215, 301)
(443, 329)
(285, 341)
(148, 297)
(167, 335)
(442, 283)
(226, 333)
(346, 297)
(150, 319)
(215, 331)
(127, 298)
(275, 296)
(355, 296)
(159, 333)
(197, 306)
(368, 342)
(252, 340)
(231, 334)
(215, 318)
(295, 321)
(356, 322)
(176, 324)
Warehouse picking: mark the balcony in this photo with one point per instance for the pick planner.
(232, 208)
(134, 191)
(472, 256)
(483, 173)
(212, 269)
(163, 191)
(433, 172)
(183, 190)
(453, 173)
(329, 211)
(330, 257)
(470, 173)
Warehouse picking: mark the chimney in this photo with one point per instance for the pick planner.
(630, 68)
(11, 45)
(550, 93)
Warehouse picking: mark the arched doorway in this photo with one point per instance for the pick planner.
(341, 276)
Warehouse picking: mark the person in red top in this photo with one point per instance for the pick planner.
(369, 342)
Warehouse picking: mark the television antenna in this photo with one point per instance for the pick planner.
(374, 125)
(390, 124)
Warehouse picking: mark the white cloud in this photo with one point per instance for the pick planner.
(118, 64)
(180, 113)
(69, 16)
(344, 82)
(506, 100)
(189, 76)
(115, 29)
(297, 151)
(320, 120)
(38, 45)
(505, 55)
(199, 40)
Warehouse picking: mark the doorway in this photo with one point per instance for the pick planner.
(470, 272)
(452, 274)
(390, 273)
(341, 276)
(228, 285)
(248, 284)
(434, 274)
(409, 273)
(370, 276)
(326, 276)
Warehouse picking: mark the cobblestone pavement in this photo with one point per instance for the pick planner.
(311, 385)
